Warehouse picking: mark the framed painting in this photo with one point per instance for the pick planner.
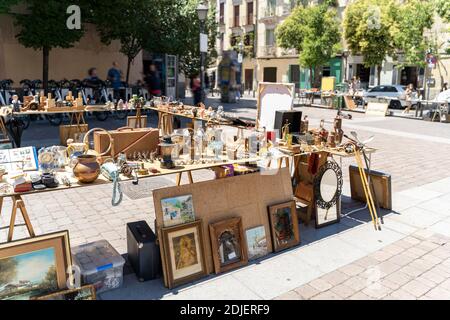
(83, 293)
(284, 225)
(256, 242)
(177, 210)
(34, 266)
(229, 249)
(184, 253)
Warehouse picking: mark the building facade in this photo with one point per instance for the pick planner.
(249, 26)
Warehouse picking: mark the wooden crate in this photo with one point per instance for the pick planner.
(382, 187)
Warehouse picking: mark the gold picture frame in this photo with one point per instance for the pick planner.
(229, 247)
(184, 253)
(35, 266)
(86, 292)
(282, 216)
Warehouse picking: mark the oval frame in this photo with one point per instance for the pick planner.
(320, 202)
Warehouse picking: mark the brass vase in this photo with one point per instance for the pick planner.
(87, 168)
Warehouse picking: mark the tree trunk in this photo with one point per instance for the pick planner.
(128, 69)
(317, 76)
(379, 74)
(45, 66)
(311, 79)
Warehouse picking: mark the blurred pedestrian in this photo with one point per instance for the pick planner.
(115, 77)
(196, 89)
(408, 97)
(153, 81)
(444, 87)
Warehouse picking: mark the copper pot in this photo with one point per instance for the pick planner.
(87, 168)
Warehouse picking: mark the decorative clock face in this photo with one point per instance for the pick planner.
(46, 157)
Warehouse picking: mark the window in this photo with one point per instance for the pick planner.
(222, 13)
(236, 16)
(390, 89)
(271, 7)
(270, 37)
(249, 13)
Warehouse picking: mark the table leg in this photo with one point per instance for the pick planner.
(1, 205)
(13, 220)
(19, 204)
(178, 181)
(191, 180)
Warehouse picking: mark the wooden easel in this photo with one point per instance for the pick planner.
(4, 132)
(17, 204)
(189, 174)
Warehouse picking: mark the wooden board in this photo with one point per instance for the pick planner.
(246, 196)
(378, 109)
(273, 97)
(328, 83)
(349, 103)
(382, 187)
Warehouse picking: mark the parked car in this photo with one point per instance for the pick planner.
(396, 92)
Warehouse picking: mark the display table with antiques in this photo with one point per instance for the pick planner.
(252, 208)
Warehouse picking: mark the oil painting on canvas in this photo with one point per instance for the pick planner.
(256, 242)
(27, 275)
(177, 210)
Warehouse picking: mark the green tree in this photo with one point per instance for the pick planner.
(186, 36)
(314, 32)
(50, 281)
(44, 28)
(8, 270)
(137, 24)
(5, 5)
(367, 30)
(443, 9)
(413, 18)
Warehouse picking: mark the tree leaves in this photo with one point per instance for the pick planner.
(313, 31)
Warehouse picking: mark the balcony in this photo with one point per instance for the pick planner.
(269, 15)
(268, 51)
(235, 24)
(248, 22)
(289, 52)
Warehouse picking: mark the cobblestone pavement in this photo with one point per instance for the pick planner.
(416, 267)
(411, 255)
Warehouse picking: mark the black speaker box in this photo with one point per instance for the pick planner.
(143, 252)
(293, 117)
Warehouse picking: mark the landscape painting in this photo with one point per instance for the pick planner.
(256, 242)
(28, 275)
(177, 210)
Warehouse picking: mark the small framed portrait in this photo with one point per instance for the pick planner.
(256, 242)
(284, 225)
(83, 293)
(184, 253)
(229, 249)
(177, 210)
(34, 266)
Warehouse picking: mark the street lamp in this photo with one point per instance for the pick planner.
(202, 12)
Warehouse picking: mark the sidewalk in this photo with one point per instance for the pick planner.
(409, 258)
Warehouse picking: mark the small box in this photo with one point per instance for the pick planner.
(143, 251)
(100, 265)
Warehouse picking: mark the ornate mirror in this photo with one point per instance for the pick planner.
(327, 193)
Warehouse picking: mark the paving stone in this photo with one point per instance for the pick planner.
(438, 293)
(434, 276)
(327, 295)
(356, 283)
(390, 284)
(416, 288)
(401, 259)
(411, 271)
(422, 265)
(306, 291)
(445, 284)
(376, 291)
(291, 295)
(352, 269)
(334, 278)
(381, 255)
(320, 285)
(343, 291)
(366, 262)
(387, 267)
(360, 296)
(401, 294)
(415, 252)
(398, 277)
